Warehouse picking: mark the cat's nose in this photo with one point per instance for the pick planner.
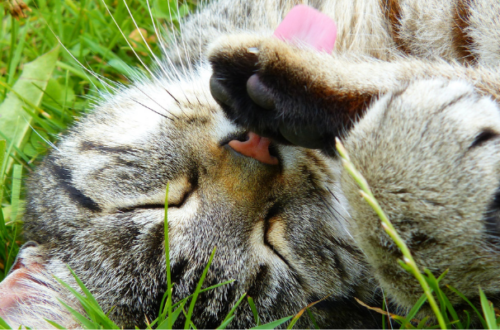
(256, 147)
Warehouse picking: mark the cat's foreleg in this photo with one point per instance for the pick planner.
(304, 97)
(30, 294)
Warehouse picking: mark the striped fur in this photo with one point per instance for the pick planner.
(412, 88)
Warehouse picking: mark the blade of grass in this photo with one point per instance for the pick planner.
(17, 174)
(54, 324)
(384, 308)
(14, 202)
(421, 324)
(431, 280)
(274, 324)
(203, 290)
(254, 310)
(79, 317)
(37, 72)
(299, 314)
(77, 71)
(3, 170)
(85, 290)
(390, 230)
(79, 20)
(313, 319)
(225, 323)
(14, 25)
(110, 311)
(171, 318)
(3, 156)
(88, 308)
(231, 312)
(167, 261)
(489, 312)
(3, 228)
(13, 151)
(17, 53)
(3, 324)
(197, 290)
(90, 305)
(191, 324)
(44, 124)
(467, 323)
(445, 304)
(479, 315)
(414, 310)
(216, 286)
(163, 311)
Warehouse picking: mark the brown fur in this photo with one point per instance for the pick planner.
(462, 42)
(393, 14)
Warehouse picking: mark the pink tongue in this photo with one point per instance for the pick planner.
(306, 24)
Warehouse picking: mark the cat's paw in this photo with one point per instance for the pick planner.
(282, 91)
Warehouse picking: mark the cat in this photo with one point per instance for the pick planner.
(411, 89)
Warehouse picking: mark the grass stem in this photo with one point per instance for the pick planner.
(390, 230)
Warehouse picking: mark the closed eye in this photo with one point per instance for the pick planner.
(178, 195)
(141, 207)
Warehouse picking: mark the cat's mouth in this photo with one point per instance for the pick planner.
(252, 145)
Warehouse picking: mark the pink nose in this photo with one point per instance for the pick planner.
(256, 147)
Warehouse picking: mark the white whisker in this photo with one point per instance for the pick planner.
(40, 136)
(173, 28)
(153, 110)
(176, 44)
(127, 41)
(161, 42)
(152, 99)
(190, 66)
(144, 39)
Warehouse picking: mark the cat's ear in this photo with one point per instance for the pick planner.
(291, 94)
(29, 294)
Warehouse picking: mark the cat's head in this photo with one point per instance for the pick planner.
(97, 204)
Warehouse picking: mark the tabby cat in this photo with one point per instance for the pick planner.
(243, 125)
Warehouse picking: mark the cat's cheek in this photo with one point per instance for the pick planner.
(179, 217)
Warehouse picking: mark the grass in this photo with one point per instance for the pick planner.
(43, 90)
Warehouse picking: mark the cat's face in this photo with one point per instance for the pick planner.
(97, 204)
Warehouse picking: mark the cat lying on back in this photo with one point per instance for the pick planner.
(412, 90)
